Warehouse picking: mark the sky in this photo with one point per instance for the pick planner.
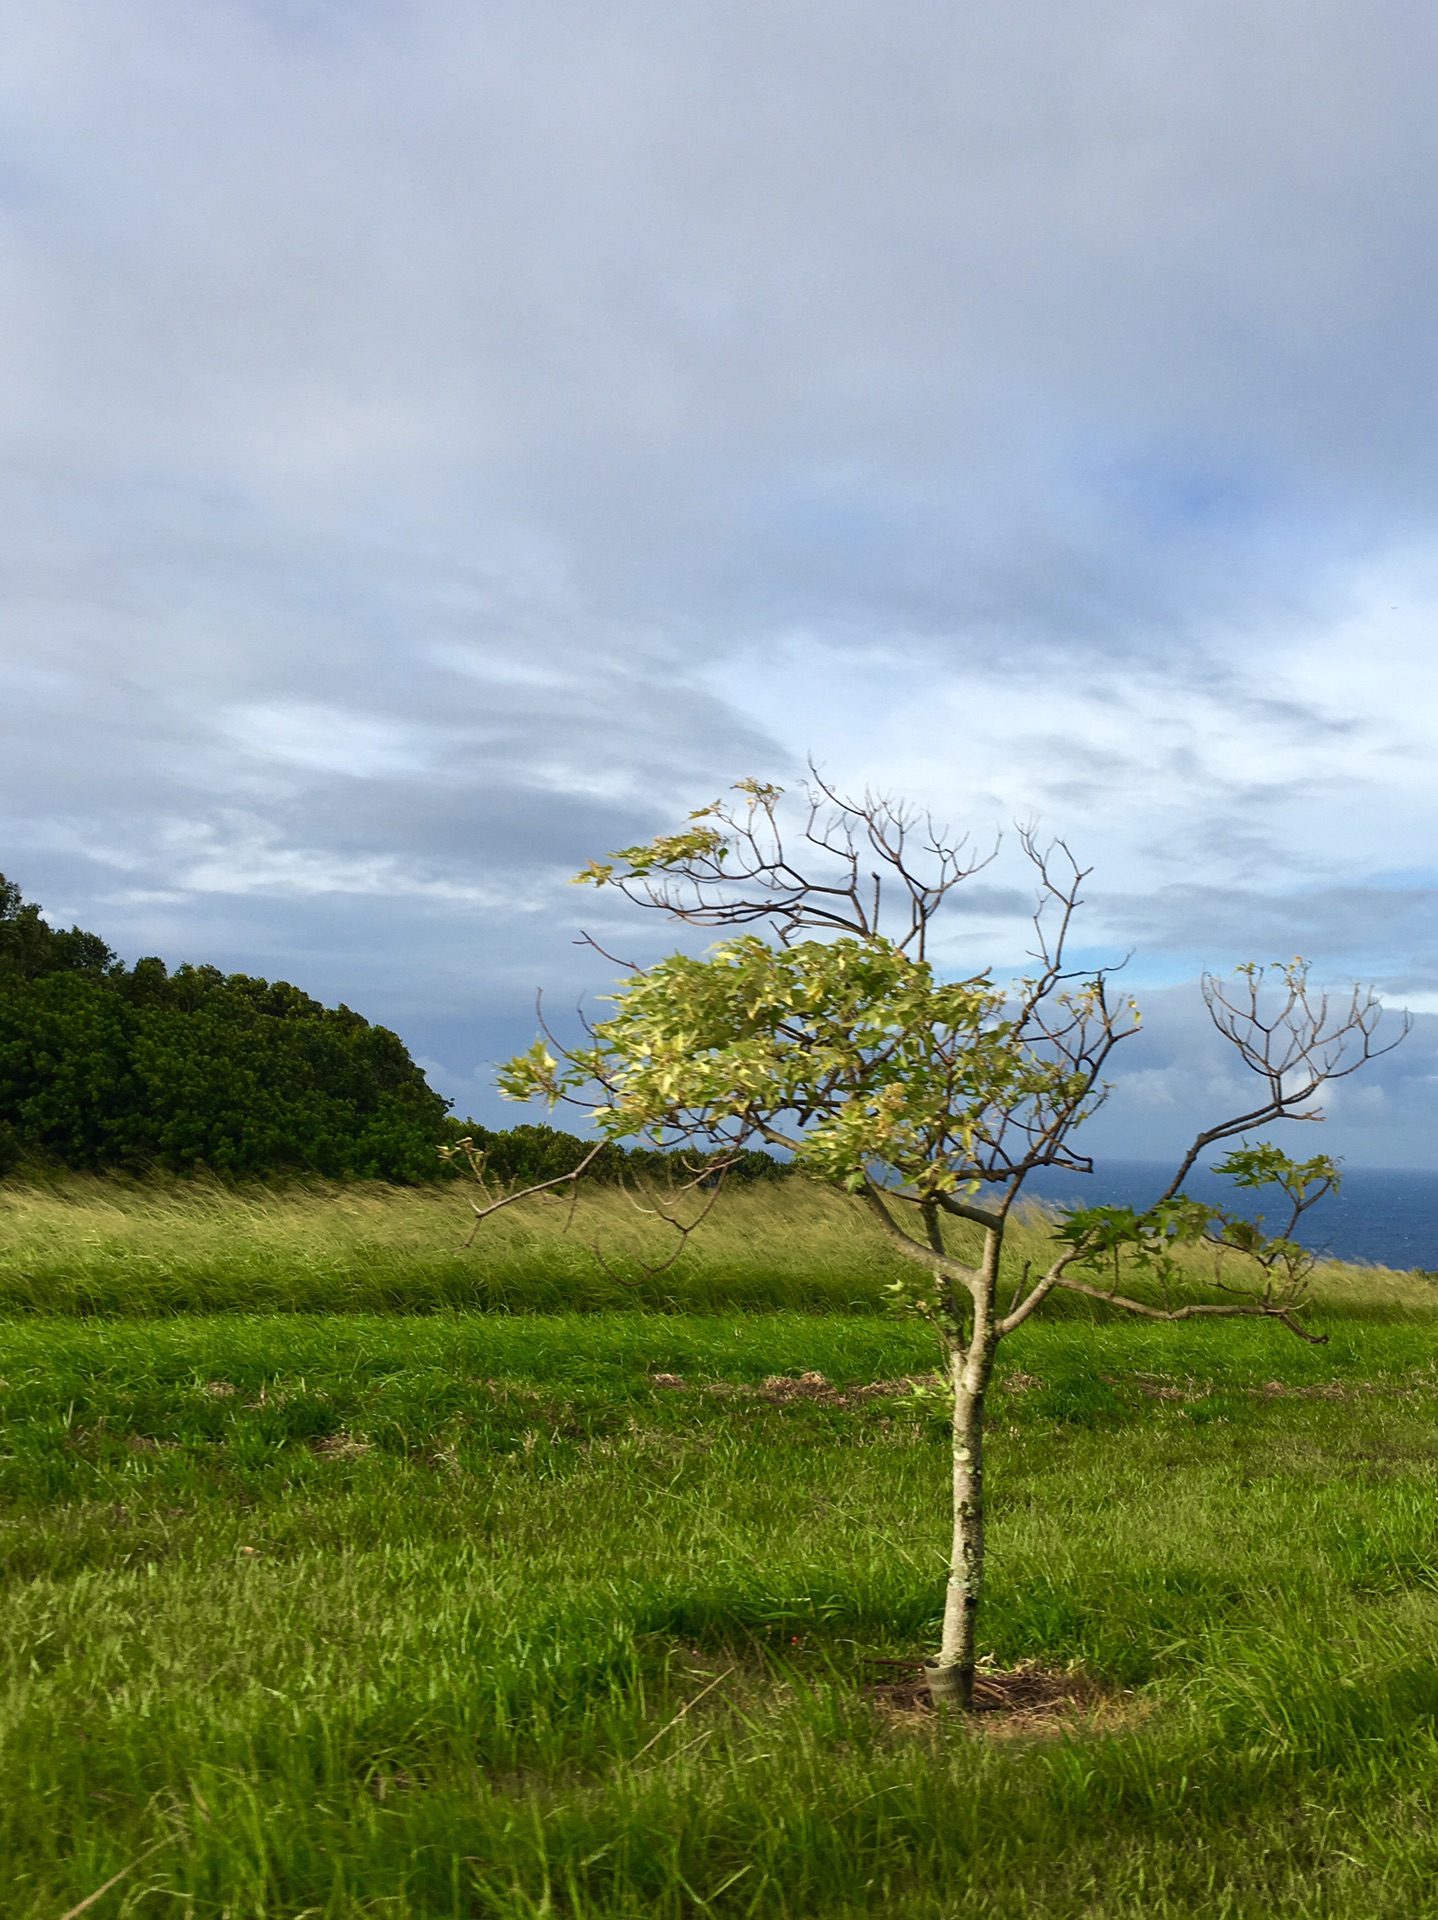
(443, 441)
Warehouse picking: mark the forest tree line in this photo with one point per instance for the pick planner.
(108, 1066)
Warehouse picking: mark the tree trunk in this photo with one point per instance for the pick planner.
(951, 1676)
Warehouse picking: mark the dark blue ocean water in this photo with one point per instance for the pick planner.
(1388, 1219)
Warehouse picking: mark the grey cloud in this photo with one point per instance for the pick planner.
(424, 427)
(1178, 1076)
(1387, 932)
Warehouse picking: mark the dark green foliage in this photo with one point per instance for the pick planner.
(526, 1155)
(30, 947)
(107, 1066)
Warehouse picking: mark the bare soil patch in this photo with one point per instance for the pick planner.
(1024, 1699)
(807, 1389)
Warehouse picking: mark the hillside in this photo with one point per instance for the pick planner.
(108, 1066)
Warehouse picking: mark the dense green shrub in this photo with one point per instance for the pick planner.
(103, 1065)
(107, 1066)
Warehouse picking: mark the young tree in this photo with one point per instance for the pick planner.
(931, 1101)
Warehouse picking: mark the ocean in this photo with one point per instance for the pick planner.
(1385, 1219)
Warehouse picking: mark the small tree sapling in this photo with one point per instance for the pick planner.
(930, 1101)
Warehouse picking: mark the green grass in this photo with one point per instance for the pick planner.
(82, 1245)
(396, 1626)
(404, 1614)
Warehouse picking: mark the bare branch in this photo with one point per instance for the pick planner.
(934, 1259)
(588, 940)
(965, 1210)
(885, 868)
(715, 1174)
(475, 1157)
(1222, 1309)
(1034, 1299)
(1295, 1049)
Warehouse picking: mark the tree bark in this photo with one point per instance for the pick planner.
(951, 1676)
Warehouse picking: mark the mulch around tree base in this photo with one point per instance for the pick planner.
(1022, 1698)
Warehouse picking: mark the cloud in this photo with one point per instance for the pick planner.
(1177, 1076)
(442, 442)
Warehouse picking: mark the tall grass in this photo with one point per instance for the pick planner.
(87, 1245)
(82, 1245)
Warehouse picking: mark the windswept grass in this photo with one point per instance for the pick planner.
(98, 1245)
(357, 1603)
(83, 1245)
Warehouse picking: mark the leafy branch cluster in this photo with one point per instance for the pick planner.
(839, 1042)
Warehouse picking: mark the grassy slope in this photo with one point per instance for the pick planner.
(83, 1245)
(384, 1615)
(113, 1246)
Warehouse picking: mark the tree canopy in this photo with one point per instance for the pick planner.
(108, 1066)
(104, 1065)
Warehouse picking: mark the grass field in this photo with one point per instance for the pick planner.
(460, 1613)
(85, 1246)
(79, 1246)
